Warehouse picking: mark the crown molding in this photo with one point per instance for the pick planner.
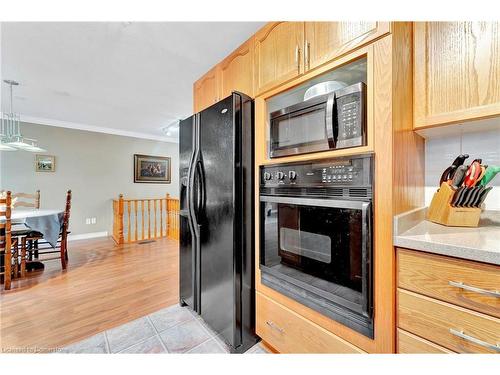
(95, 129)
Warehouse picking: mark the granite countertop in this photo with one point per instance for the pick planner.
(482, 244)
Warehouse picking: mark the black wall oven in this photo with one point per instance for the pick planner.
(330, 121)
(316, 236)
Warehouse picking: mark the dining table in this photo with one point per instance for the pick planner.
(45, 221)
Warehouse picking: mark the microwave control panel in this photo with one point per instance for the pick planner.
(353, 171)
(351, 116)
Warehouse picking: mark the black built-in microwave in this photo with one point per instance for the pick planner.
(326, 122)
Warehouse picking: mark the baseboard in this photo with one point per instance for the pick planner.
(85, 236)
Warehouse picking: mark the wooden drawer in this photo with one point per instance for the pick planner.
(433, 275)
(441, 323)
(288, 332)
(411, 344)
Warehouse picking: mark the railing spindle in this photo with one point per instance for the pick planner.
(129, 234)
(142, 211)
(135, 223)
(149, 219)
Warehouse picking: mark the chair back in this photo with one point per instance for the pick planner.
(27, 200)
(5, 237)
(67, 211)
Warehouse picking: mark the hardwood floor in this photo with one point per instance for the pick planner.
(104, 286)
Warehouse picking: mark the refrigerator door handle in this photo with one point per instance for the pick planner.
(201, 196)
(190, 188)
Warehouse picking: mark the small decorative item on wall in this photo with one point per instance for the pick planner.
(45, 163)
(151, 169)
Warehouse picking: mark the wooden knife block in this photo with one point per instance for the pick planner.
(441, 211)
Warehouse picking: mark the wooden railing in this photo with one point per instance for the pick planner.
(144, 219)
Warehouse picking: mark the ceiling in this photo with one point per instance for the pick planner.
(124, 77)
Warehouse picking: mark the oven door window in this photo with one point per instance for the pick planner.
(323, 247)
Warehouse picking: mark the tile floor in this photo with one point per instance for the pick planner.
(174, 329)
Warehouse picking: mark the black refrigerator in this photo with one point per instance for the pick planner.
(216, 218)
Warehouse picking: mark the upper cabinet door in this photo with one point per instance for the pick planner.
(325, 41)
(236, 71)
(456, 72)
(278, 54)
(205, 90)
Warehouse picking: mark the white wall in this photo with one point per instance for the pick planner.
(95, 166)
(440, 153)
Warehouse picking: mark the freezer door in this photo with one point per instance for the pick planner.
(216, 171)
(187, 258)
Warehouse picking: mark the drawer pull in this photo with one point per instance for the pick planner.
(458, 284)
(274, 326)
(462, 335)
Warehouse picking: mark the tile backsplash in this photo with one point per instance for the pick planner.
(440, 153)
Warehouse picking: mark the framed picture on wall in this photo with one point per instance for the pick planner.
(151, 169)
(45, 163)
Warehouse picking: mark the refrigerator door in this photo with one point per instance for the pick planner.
(216, 169)
(187, 258)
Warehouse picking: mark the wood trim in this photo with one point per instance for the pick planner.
(346, 59)
(409, 343)
(419, 73)
(381, 29)
(423, 79)
(292, 333)
(430, 274)
(247, 47)
(433, 319)
(260, 36)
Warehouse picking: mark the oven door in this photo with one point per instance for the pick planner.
(320, 245)
(310, 126)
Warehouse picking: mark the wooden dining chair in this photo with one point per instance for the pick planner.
(27, 200)
(27, 243)
(6, 242)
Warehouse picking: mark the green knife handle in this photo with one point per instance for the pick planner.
(491, 172)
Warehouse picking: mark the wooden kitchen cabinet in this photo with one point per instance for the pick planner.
(288, 332)
(325, 41)
(456, 70)
(236, 71)
(447, 303)
(206, 90)
(278, 54)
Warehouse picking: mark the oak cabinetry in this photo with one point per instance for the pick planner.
(278, 54)
(236, 71)
(443, 323)
(450, 302)
(450, 280)
(206, 90)
(325, 41)
(412, 344)
(456, 72)
(398, 149)
(288, 332)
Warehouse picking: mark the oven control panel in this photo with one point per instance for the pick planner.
(351, 171)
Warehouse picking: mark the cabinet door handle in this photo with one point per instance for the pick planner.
(275, 327)
(297, 60)
(307, 55)
(461, 285)
(482, 343)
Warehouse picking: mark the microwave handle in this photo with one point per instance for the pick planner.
(331, 126)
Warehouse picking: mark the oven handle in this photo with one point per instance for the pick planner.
(367, 268)
(331, 120)
(332, 203)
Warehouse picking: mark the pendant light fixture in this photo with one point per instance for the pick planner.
(10, 136)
